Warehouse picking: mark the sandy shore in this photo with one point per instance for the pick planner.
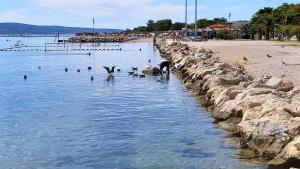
(256, 52)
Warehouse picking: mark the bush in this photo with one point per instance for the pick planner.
(225, 34)
(296, 32)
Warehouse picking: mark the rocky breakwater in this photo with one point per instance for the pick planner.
(264, 112)
(91, 39)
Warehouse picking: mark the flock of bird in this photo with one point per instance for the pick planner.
(110, 72)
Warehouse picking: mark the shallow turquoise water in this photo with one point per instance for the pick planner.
(63, 120)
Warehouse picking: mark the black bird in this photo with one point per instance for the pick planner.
(118, 70)
(140, 49)
(130, 73)
(135, 75)
(149, 61)
(78, 70)
(245, 59)
(25, 77)
(269, 56)
(92, 78)
(89, 68)
(283, 63)
(142, 76)
(134, 68)
(39, 67)
(110, 71)
(66, 69)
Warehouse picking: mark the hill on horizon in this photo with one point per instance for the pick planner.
(20, 28)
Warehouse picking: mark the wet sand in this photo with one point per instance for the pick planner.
(256, 52)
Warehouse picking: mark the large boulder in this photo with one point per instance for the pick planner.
(267, 136)
(289, 157)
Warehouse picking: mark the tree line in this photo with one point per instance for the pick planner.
(164, 25)
(267, 23)
(283, 21)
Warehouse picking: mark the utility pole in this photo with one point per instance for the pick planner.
(94, 34)
(196, 17)
(186, 24)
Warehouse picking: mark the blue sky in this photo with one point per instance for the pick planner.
(123, 13)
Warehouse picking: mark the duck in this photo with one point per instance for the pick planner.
(78, 70)
(92, 78)
(25, 77)
(118, 70)
(269, 56)
(142, 76)
(39, 67)
(110, 71)
(135, 75)
(89, 68)
(130, 73)
(134, 68)
(66, 69)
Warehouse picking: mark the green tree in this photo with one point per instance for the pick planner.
(163, 25)
(140, 29)
(177, 26)
(150, 25)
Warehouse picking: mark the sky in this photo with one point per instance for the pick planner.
(122, 14)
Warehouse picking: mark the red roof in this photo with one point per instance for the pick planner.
(217, 26)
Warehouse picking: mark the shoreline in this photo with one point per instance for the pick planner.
(264, 112)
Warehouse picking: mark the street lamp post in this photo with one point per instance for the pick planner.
(196, 17)
(186, 24)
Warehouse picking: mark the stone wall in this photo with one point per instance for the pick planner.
(265, 112)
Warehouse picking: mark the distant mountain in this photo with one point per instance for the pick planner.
(20, 28)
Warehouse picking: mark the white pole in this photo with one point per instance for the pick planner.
(186, 24)
(196, 17)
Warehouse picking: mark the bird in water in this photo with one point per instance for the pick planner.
(135, 75)
(78, 70)
(39, 67)
(92, 78)
(118, 70)
(66, 69)
(134, 68)
(130, 73)
(89, 68)
(245, 59)
(140, 49)
(110, 71)
(269, 56)
(142, 76)
(25, 77)
(283, 63)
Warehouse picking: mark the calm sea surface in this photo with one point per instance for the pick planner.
(63, 120)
